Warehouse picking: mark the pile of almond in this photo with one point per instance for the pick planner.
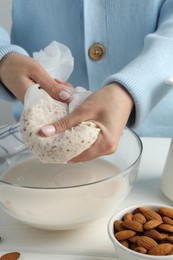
(146, 231)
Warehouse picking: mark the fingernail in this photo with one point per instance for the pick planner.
(48, 130)
(67, 89)
(64, 95)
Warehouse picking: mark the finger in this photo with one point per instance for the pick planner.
(74, 118)
(67, 88)
(89, 154)
(64, 83)
(54, 89)
(61, 125)
(104, 145)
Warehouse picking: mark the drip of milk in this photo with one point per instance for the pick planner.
(167, 175)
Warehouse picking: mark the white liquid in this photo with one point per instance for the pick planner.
(62, 208)
(33, 173)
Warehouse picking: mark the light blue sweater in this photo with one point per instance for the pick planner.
(137, 35)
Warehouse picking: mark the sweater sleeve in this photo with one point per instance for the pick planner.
(5, 48)
(144, 77)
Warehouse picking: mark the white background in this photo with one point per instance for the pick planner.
(6, 116)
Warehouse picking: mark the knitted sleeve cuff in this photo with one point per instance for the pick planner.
(5, 49)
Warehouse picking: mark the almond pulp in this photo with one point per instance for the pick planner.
(146, 242)
(162, 249)
(133, 225)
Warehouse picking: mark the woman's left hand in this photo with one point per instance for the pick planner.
(110, 108)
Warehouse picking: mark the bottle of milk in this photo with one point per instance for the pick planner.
(167, 175)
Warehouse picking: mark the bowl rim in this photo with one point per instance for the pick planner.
(119, 214)
(134, 134)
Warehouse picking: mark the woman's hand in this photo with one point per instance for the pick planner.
(109, 108)
(19, 72)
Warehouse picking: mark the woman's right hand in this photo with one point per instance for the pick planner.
(19, 72)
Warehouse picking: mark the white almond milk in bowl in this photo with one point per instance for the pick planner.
(67, 196)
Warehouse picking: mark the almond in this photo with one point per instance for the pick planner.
(133, 246)
(139, 218)
(150, 215)
(164, 236)
(10, 256)
(171, 253)
(133, 225)
(154, 234)
(140, 249)
(151, 224)
(134, 239)
(128, 216)
(166, 228)
(124, 234)
(167, 220)
(125, 243)
(142, 209)
(146, 242)
(170, 239)
(162, 249)
(166, 212)
(118, 225)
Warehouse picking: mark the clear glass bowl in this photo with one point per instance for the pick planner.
(64, 196)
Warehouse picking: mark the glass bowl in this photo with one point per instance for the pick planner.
(64, 196)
